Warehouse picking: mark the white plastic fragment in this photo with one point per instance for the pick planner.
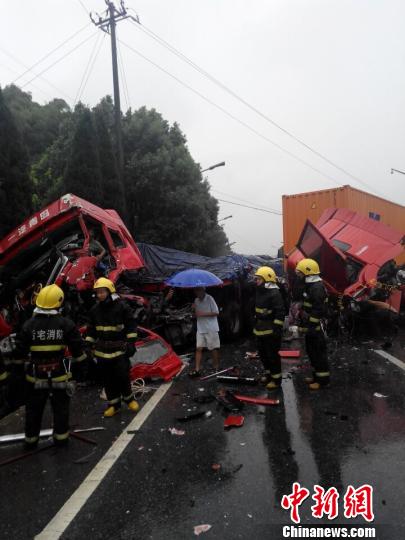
(198, 529)
(175, 431)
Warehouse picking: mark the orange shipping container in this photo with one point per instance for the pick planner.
(302, 206)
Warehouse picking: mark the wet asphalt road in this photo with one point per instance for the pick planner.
(163, 484)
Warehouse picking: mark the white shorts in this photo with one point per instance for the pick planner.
(209, 341)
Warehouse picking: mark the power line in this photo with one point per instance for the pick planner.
(83, 6)
(50, 53)
(59, 60)
(89, 67)
(230, 115)
(44, 92)
(243, 200)
(15, 59)
(277, 213)
(225, 88)
(124, 78)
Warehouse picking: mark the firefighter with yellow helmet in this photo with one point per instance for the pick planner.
(311, 291)
(269, 321)
(42, 343)
(112, 333)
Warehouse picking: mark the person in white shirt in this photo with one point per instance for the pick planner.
(206, 312)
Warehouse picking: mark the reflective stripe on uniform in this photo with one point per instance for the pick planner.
(101, 354)
(90, 339)
(61, 378)
(276, 376)
(262, 332)
(132, 335)
(3, 376)
(31, 440)
(61, 436)
(322, 373)
(279, 322)
(263, 310)
(44, 348)
(314, 319)
(80, 358)
(307, 304)
(116, 328)
(114, 401)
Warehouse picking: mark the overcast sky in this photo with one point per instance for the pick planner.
(332, 72)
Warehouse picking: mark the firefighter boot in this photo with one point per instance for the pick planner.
(133, 406)
(111, 411)
(272, 385)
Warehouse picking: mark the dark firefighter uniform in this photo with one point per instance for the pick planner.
(314, 298)
(269, 321)
(111, 333)
(44, 339)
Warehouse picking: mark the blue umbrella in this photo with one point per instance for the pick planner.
(194, 277)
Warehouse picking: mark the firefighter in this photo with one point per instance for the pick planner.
(42, 341)
(269, 321)
(111, 333)
(311, 291)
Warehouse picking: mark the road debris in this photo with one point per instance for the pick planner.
(257, 400)
(217, 373)
(192, 416)
(198, 529)
(234, 421)
(237, 380)
(175, 431)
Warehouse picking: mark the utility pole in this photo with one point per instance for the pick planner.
(107, 22)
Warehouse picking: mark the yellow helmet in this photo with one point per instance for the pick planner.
(267, 273)
(104, 283)
(50, 297)
(308, 267)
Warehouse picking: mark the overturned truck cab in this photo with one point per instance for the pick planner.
(357, 257)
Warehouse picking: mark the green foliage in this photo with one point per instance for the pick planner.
(167, 201)
(83, 173)
(161, 196)
(15, 184)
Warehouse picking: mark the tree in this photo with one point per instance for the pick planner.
(38, 124)
(168, 202)
(82, 174)
(111, 184)
(15, 184)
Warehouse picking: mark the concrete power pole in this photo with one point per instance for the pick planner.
(107, 22)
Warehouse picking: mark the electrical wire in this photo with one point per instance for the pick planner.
(244, 200)
(51, 52)
(225, 88)
(83, 6)
(124, 78)
(90, 65)
(44, 92)
(17, 61)
(60, 59)
(230, 115)
(275, 212)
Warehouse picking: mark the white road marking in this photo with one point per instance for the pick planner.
(391, 358)
(61, 521)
